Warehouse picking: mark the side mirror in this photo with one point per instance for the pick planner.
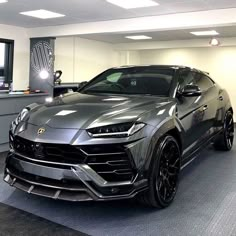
(191, 91)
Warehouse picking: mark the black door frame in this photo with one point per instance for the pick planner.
(9, 59)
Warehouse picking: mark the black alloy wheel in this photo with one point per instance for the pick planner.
(229, 131)
(164, 179)
(225, 140)
(167, 178)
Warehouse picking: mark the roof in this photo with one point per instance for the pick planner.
(175, 67)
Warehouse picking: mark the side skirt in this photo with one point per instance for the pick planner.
(195, 152)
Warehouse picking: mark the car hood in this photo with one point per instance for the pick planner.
(81, 111)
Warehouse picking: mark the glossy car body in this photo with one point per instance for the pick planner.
(56, 150)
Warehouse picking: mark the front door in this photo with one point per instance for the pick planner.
(193, 113)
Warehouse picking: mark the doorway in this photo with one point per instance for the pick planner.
(6, 63)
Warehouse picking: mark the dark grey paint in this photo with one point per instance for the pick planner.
(195, 120)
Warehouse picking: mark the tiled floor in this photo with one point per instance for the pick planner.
(205, 205)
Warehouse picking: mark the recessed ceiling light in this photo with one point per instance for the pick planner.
(138, 37)
(42, 14)
(3, 1)
(128, 4)
(214, 42)
(205, 33)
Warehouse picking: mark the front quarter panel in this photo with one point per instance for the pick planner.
(163, 119)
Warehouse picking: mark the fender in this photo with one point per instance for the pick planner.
(166, 126)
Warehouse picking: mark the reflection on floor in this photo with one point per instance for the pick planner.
(205, 205)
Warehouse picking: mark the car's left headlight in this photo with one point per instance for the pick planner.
(21, 116)
(116, 130)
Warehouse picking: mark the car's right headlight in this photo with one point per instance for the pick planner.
(116, 130)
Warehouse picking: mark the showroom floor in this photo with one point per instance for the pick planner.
(205, 205)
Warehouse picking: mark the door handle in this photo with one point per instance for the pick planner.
(205, 108)
(221, 98)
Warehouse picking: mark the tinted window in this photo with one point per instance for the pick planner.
(186, 77)
(203, 81)
(189, 77)
(134, 80)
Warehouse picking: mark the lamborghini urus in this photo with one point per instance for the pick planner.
(126, 133)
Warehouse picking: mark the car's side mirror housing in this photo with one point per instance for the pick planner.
(190, 90)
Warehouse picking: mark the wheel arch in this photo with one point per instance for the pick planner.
(176, 134)
(168, 127)
(231, 110)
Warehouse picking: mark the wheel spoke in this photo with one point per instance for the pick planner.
(168, 185)
(160, 185)
(175, 163)
(231, 121)
(229, 142)
(229, 132)
(165, 192)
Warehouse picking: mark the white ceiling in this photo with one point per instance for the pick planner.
(168, 35)
(80, 11)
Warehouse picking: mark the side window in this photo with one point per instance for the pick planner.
(185, 77)
(203, 81)
(114, 77)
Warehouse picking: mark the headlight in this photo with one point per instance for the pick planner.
(22, 115)
(116, 130)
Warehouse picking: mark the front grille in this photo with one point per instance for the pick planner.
(61, 153)
(112, 162)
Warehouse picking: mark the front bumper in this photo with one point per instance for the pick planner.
(71, 182)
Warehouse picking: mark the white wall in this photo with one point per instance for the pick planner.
(2, 54)
(82, 59)
(220, 62)
(21, 54)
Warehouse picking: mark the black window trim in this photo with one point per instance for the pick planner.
(179, 72)
(9, 57)
(190, 70)
(203, 74)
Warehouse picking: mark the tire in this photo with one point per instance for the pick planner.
(224, 141)
(164, 174)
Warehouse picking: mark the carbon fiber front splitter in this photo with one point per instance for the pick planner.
(75, 183)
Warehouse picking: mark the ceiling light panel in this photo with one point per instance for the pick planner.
(205, 33)
(138, 37)
(42, 14)
(130, 4)
(3, 1)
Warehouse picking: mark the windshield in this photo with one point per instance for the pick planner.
(133, 80)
